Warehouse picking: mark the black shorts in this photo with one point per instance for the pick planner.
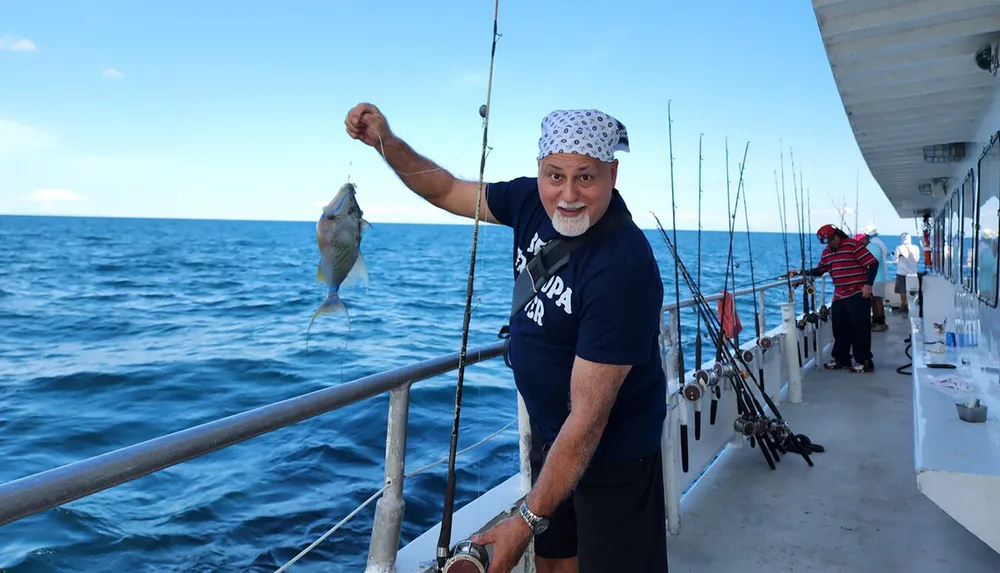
(901, 285)
(613, 521)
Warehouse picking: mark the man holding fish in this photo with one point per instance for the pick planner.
(584, 350)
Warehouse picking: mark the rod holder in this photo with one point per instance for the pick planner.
(790, 351)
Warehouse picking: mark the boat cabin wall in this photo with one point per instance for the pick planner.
(964, 234)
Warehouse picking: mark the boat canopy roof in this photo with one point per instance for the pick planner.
(910, 83)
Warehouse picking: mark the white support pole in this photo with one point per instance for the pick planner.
(790, 350)
(761, 313)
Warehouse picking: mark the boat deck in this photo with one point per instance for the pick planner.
(857, 510)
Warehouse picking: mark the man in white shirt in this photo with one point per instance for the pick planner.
(906, 258)
(881, 253)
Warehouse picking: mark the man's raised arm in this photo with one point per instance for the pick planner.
(424, 177)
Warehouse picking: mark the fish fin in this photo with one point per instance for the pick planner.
(333, 303)
(358, 273)
(365, 224)
(320, 277)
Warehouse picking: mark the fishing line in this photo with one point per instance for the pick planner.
(444, 539)
(431, 170)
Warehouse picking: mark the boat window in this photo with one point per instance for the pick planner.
(968, 231)
(955, 236)
(988, 220)
(946, 241)
(939, 234)
(938, 252)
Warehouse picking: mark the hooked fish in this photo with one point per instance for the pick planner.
(338, 235)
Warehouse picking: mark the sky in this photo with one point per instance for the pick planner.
(235, 110)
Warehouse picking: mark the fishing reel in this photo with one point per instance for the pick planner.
(824, 313)
(810, 288)
(745, 425)
(801, 323)
(747, 356)
(693, 391)
(779, 430)
(765, 343)
(467, 557)
(703, 380)
(706, 377)
(723, 370)
(812, 318)
(752, 426)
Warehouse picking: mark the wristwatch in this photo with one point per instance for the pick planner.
(536, 523)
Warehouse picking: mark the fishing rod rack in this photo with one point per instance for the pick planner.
(778, 359)
(52, 488)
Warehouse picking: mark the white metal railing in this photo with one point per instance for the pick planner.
(39, 492)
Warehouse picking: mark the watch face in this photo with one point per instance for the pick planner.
(536, 523)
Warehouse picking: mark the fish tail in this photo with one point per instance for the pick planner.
(333, 303)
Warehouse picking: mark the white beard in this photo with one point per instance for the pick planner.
(571, 226)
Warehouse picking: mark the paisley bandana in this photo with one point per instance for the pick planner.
(584, 131)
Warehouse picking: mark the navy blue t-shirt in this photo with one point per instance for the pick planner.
(603, 306)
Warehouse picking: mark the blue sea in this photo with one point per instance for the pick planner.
(115, 331)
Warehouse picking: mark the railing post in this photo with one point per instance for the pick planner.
(761, 314)
(790, 350)
(527, 562)
(668, 440)
(389, 508)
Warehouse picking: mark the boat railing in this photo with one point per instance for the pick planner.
(48, 489)
(33, 494)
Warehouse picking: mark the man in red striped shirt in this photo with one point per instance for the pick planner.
(852, 268)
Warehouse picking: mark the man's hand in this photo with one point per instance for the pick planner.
(509, 539)
(366, 122)
(866, 291)
(794, 273)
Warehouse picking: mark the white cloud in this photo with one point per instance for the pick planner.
(112, 73)
(49, 197)
(16, 137)
(14, 44)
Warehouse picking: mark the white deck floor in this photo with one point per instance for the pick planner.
(856, 511)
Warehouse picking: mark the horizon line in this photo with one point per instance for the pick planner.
(458, 223)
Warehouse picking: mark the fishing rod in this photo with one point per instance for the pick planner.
(697, 340)
(809, 223)
(772, 431)
(753, 282)
(784, 222)
(466, 551)
(677, 298)
(784, 236)
(730, 261)
(757, 421)
(716, 393)
(809, 283)
(801, 322)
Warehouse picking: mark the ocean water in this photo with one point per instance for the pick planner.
(115, 331)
